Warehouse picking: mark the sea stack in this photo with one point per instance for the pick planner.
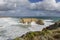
(29, 20)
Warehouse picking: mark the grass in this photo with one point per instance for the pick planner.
(50, 33)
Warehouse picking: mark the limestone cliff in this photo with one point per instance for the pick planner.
(29, 20)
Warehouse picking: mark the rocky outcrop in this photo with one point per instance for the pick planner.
(50, 33)
(54, 26)
(40, 22)
(29, 20)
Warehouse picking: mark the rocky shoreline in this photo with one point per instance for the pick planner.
(49, 33)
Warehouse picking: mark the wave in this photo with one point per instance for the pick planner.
(11, 28)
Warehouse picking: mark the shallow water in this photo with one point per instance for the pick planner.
(10, 28)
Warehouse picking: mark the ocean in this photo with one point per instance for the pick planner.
(10, 27)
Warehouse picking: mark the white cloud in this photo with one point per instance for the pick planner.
(25, 8)
(46, 5)
(2, 2)
(6, 5)
(43, 8)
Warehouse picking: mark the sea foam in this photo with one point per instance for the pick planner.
(11, 28)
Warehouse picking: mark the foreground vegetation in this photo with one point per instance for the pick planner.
(50, 33)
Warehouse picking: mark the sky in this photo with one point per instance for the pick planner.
(57, 0)
(30, 8)
(33, 1)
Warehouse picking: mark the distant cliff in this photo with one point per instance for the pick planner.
(29, 20)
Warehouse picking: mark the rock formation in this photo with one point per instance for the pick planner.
(29, 20)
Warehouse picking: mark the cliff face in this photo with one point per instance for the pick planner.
(29, 20)
(54, 26)
(50, 33)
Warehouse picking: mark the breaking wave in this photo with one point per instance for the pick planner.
(10, 28)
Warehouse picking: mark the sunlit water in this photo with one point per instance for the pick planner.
(10, 28)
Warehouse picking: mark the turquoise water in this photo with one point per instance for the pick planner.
(50, 18)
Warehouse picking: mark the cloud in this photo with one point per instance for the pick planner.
(46, 5)
(43, 8)
(26, 8)
(6, 5)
